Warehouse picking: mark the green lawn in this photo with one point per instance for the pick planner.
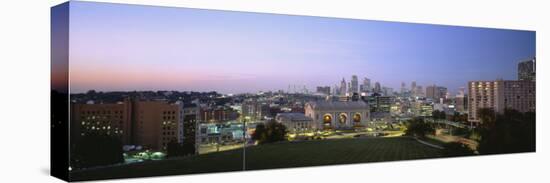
(342, 151)
(280, 155)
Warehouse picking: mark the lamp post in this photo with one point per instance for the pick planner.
(244, 143)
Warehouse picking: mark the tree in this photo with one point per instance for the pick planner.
(270, 132)
(97, 150)
(436, 114)
(260, 134)
(173, 149)
(188, 147)
(463, 118)
(457, 149)
(457, 117)
(509, 132)
(487, 117)
(418, 128)
(465, 132)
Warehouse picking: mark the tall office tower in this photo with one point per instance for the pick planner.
(190, 125)
(461, 91)
(324, 90)
(156, 123)
(343, 88)
(448, 95)
(377, 88)
(419, 91)
(461, 101)
(109, 119)
(526, 70)
(366, 85)
(354, 84)
(152, 124)
(499, 95)
(436, 93)
(430, 91)
(413, 88)
(387, 91)
(403, 89)
(443, 92)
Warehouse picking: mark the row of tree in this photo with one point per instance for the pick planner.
(418, 128)
(96, 149)
(507, 132)
(437, 114)
(174, 149)
(269, 132)
(457, 117)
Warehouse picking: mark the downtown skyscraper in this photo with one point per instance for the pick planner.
(526, 70)
(436, 92)
(366, 85)
(343, 88)
(354, 88)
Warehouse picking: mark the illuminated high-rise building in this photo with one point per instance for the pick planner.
(151, 124)
(156, 123)
(354, 88)
(377, 87)
(419, 91)
(413, 87)
(526, 70)
(343, 88)
(387, 91)
(108, 119)
(461, 101)
(324, 90)
(499, 95)
(189, 132)
(436, 93)
(403, 87)
(366, 85)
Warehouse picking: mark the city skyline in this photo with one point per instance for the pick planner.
(120, 48)
(170, 91)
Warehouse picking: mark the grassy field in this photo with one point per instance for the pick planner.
(331, 152)
(280, 155)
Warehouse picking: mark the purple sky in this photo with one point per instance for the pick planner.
(116, 47)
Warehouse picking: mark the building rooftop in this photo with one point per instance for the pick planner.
(338, 105)
(292, 117)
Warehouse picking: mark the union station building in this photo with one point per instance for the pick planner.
(337, 114)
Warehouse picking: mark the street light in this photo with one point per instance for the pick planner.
(244, 143)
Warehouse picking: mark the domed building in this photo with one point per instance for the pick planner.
(338, 114)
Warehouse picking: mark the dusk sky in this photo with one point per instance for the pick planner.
(117, 47)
